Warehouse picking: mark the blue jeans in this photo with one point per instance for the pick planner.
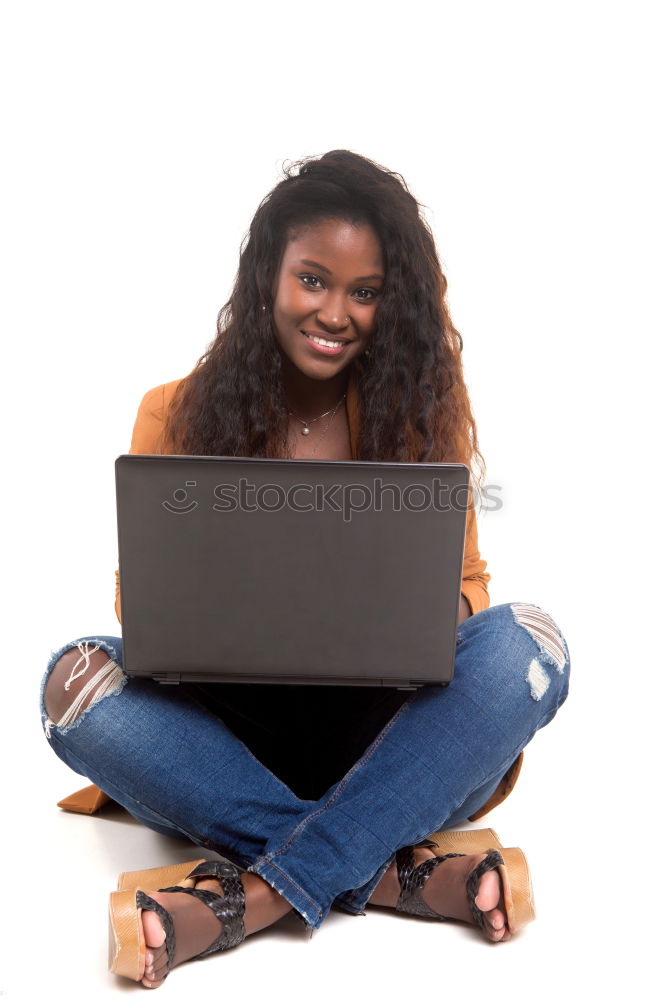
(178, 768)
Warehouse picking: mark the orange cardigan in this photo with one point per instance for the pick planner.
(146, 436)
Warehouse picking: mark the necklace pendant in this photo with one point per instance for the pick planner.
(306, 430)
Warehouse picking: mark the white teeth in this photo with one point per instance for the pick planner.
(326, 343)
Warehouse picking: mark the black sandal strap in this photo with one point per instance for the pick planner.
(228, 908)
(492, 861)
(413, 879)
(218, 869)
(144, 902)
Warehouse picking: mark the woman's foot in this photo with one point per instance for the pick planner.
(196, 926)
(445, 891)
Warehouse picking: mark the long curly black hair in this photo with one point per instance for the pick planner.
(414, 404)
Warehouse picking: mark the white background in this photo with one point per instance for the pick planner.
(139, 138)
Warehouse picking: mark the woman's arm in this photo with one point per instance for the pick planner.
(464, 610)
(475, 579)
(145, 441)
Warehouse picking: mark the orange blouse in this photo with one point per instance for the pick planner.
(146, 441)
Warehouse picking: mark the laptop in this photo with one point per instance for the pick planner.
(256, 570)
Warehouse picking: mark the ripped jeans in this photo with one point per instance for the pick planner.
(179, 769)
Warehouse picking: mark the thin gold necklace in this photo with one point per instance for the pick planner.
(306, 429)
(326, 428)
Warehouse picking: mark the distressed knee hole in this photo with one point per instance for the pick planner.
(69, 694)
(549, 640)
(538, 680)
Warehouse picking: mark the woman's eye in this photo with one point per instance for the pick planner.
(370, 294)
(308, 278)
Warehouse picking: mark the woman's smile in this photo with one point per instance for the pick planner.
(325, 345)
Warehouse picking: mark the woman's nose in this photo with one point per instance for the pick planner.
(333, 314)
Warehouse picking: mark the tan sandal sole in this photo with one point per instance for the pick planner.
(127, 945)
(465, 841)
(514, 873)
(152, 879)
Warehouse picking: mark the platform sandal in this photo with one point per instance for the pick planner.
(516, 899)
(127, 946)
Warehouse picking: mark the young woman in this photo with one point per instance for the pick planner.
(336, 343)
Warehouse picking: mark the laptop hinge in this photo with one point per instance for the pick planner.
(167, 678)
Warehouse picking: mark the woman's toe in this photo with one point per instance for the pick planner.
(488, 893)
(488, 899)
(154, 976)
(160, 965)
(495, 925)
(151, 983)
(156, 957)
(153, 931)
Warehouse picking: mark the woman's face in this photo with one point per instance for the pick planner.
(328, 287)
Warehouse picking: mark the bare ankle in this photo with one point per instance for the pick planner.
(263, 904)
(387, 889)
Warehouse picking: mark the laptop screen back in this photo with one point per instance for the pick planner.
(271, 570)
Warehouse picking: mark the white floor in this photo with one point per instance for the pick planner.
(593, 931)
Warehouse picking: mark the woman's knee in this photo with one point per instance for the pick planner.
(550, 664)
(525, 646)
(84, 672)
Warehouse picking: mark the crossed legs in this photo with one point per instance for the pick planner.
(417, 776)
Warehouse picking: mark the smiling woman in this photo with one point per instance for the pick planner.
(296, 278)
(336, 341)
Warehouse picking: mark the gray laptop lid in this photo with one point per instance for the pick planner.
(296, 571)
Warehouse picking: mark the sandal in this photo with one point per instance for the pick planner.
(127, 946)
(516, 888)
